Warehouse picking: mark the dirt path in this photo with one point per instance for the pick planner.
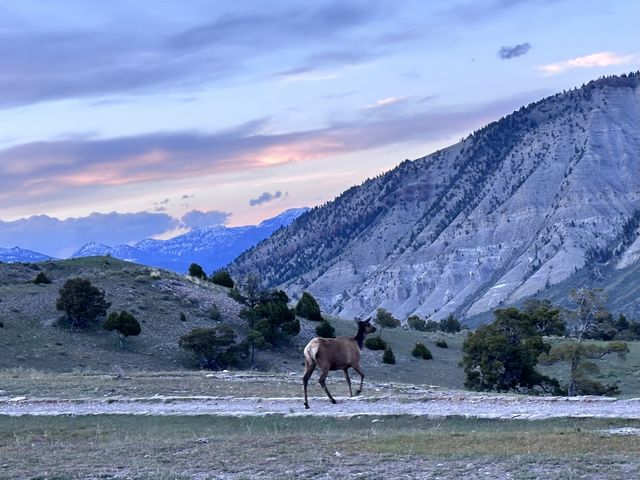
(432, 404)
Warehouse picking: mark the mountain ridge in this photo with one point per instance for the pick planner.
(517, 206)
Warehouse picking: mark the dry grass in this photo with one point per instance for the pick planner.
(277, 447)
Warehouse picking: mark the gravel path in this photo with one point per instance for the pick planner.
(431, 404)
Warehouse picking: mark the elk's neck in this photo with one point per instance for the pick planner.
(359, 338)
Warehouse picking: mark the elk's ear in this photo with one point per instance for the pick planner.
(368, 320)
(356, 320)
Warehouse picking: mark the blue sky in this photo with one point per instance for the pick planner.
(237, 110)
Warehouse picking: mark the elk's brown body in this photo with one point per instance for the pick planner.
(339, 353)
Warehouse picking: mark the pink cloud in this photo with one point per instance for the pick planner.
(601, 59)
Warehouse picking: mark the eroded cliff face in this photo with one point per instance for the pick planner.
(516, 207)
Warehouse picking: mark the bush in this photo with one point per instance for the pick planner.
(385, 320)
(235, 294)
(308, 308)
(41, 278)
(421, 351)
(450, 324)
(183, 317)
(325, 330)
(375, 343)
(82, 302)
(214, 313)
(388, 356)
(442, 343)
(214, 347)
(222, 277)
(124, 324)
(196, 271)
(416, 323)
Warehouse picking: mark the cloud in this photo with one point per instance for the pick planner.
(60, 238)
(48, 59)
(42, 172)
(198, 219)
(264, 198)
(601, 59)
(385, 102)
(516, 51)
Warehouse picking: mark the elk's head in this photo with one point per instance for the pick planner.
(365, 326)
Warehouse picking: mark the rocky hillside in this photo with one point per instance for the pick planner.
(517, 207)
(31, 337)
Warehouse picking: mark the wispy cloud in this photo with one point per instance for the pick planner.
(265, 197)
(35, 173)
(506, 52)
(601, 59)
(385, 102)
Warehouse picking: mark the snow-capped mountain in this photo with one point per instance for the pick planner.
(210, 247)
(17, 254)
(519, 206)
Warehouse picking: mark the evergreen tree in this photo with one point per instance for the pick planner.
(308, 308)
(82, 302)
(384, 319)
(388, 356)
(196, 271)
(124, 324)
(222, 277)
(214, 347)
(578, 354)
(503, 355)
(325, 330)
(450, 324)
(421, 351)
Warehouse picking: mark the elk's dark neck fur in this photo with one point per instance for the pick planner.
(359, 338)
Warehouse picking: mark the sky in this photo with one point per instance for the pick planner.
(124, 120)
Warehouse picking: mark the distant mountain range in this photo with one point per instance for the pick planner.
(17, 254)
(210, 247)
(547, 195)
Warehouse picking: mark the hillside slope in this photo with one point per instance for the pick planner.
(519, 206)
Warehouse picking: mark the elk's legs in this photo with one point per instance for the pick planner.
(308, 371)
(346, 375)
(357, 369)
(323, 377)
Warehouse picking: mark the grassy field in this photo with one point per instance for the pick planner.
(276, 447)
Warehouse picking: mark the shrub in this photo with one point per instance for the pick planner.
(183, 317)
(385, 320)
(308, 308)
(442, 343)
(41, 278)
(388, 356)
(82, 302)
(421, 351)
(450, 324)
(214, 347)
(214, 313)
(124, 324)
(325, 330)
(196, 271)
(222, 277)
(416, 323)
(375, 343)
(235, 294)
(1, 324)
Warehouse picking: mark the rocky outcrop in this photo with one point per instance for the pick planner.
(516, 207)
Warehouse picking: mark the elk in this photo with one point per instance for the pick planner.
(339, 353)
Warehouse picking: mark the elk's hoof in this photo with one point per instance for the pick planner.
(306, 405)
(358, 392)
(333, 401)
